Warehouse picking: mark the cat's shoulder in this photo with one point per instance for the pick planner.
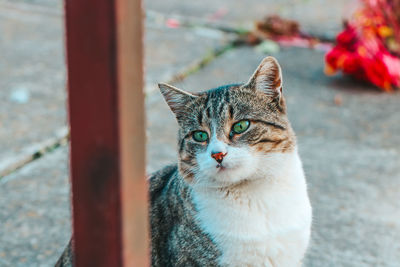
(158, 179)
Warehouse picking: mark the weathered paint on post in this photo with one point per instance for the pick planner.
(132, 133)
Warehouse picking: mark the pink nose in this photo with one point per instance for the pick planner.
(219, 156)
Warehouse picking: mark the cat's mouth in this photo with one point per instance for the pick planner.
(222, 168)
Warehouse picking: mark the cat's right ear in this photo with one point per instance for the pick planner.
(267, 78)
(176, 99)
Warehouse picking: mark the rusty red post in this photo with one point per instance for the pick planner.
(105, 81)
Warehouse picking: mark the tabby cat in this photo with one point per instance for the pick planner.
(237, 196)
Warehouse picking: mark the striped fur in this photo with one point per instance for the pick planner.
(177, 239)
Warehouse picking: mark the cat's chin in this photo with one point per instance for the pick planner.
(224, 182)
(225, 176)
(223, 185)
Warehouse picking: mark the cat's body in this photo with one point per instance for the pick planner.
(258, 227)
(237, 196)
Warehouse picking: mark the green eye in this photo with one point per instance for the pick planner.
(240, 127)
(200, 136)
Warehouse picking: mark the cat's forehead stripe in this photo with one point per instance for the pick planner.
(208, 112)
(231, 112)
(200, 117)
(220, 97)
(227, 96)
(221, 108)
(271, 124)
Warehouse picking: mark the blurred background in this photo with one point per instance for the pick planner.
(348, 131)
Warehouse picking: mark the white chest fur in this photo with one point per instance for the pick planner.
(266, 223)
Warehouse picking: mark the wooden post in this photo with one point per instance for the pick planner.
(106, 112)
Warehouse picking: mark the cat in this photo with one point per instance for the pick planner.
(238, 195)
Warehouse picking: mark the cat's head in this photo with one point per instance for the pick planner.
(227, 135)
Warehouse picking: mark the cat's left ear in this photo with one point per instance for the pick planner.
(267, 78)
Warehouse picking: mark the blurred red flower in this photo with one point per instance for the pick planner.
(369, 46)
